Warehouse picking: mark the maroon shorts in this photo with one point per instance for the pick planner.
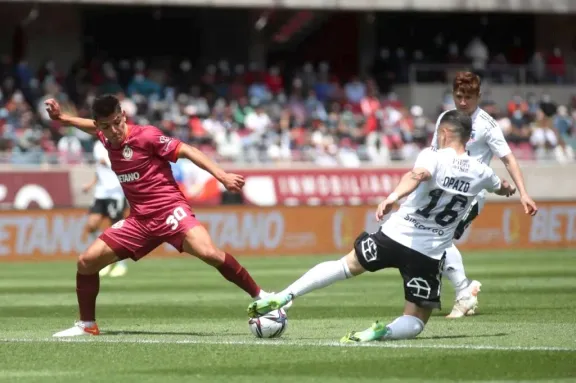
(136, 237)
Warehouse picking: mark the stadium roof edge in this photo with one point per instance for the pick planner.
(512, 6)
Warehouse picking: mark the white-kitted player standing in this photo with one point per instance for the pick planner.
(486, 141)
(109, 202)
(440, 189)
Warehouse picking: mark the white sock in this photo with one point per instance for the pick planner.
(404, 327)
(320, 276)
(454, 269)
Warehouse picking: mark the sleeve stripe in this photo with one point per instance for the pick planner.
(177, 152)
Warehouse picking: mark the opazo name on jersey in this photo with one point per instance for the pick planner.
(456, 184)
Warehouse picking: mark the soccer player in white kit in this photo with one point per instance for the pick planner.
(109, 202)
(440, 189)
(486, 141)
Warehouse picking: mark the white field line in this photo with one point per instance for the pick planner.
(287, 343)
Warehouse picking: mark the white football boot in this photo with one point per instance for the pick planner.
(119, 269)
(105, 271)
(466, 301)
(80, 329)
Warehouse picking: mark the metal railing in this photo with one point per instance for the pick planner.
(494, 73)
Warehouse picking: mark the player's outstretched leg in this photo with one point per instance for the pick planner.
(198, 243)
(320, 276)
(466, 291)
(98, 255)
(408, 326)
(92, 230)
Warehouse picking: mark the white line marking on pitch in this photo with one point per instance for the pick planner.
(285, 342)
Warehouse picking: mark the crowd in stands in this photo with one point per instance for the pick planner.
(246, 114)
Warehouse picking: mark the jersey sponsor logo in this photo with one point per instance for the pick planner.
(419, 287)
(127, 153)
(129, 177)
(118, 225)
(418, 225)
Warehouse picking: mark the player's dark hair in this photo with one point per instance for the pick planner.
(105, 106)
(467, 83)
(460, 122)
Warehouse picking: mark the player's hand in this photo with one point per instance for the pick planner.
(384, 208)
(86, 188)
(53, 109)
(529, 205)
(508, 189)
(233, 182)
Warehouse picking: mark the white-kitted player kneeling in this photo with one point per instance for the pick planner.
(440, 189)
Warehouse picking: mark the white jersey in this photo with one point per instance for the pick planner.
(427, 220)
(487, 139)
(107, 185)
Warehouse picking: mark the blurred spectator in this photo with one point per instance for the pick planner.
(355, 90)
(545, 138)
(537, 67)
(479, 54)
(556, 66)
(274, 81)
(563, 122)
(240, 115)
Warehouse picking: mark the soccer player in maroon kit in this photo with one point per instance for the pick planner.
(159, 212)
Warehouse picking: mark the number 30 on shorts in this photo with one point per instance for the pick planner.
(177, 215)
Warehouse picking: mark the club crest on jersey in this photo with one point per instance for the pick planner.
(127, 152)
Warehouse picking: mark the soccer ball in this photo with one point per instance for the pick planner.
(271, 325)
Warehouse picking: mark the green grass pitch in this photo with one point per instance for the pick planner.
(177, 320)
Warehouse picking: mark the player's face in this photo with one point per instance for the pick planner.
(113, 127)
(466, 102)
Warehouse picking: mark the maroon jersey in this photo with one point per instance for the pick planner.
(143, 169)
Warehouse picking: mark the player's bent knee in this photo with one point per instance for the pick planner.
(353, 264)
(95, 258)
(87, 264)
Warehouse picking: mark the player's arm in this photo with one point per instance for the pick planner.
(423, 171)
(500, 148)
(88, 186)
(101, 155)
(515, 172)
(232, 182)
(494, 184)
(409, 182)
(55, 113)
